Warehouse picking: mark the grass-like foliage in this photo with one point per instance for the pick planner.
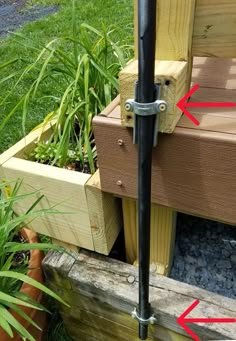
(87, 63)
(12, 277)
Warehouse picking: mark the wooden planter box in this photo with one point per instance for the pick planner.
(91, 219)
(102, 293)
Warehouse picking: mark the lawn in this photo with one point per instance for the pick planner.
(94, 12)
(38, 33)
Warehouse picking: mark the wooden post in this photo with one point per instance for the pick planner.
(175, 19)
(163, 223)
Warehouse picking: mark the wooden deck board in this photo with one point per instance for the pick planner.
(193, 168)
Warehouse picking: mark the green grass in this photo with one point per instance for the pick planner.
(95, 13)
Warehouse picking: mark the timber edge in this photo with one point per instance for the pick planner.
(102, 292)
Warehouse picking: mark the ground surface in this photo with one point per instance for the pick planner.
(13, 14)
(205, 255)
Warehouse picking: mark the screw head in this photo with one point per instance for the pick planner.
(120, 142)
(131, 279)
(119, 183)
(128, 106)
(162, 107)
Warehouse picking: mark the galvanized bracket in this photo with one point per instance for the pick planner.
(151, 320)
(147, 109)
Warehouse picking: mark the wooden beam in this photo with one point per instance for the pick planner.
(174, 29)
(71, 224)
(67, 246)
(173, 43)
(214, 31)
(210, 29)
(102, 288)
(104, 225)
(173, 77)
(163, 223)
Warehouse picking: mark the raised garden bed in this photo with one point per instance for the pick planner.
(87, 217)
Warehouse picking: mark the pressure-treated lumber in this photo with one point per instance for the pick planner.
(94, 226)
(173, 60)
(213, 33)
(163, 223)
(102, 293)
(174, 29)
(66, 246)
(173, 77)
(214, 28)
(104, 214)
(65, 191)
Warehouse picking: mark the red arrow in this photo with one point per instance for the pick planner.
(182, 320)
(183, 104)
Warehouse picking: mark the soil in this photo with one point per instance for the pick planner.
(13, 14)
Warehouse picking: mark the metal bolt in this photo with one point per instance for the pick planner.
(128, 106)
(119, 183)
(131, 279)
(120, 142)
(162, 107)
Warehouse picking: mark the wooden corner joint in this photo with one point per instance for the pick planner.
(173, 77)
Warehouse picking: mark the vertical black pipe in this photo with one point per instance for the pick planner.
(145, 129)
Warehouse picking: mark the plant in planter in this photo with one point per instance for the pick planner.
(88, 70)
(21, 312)
(87, 66)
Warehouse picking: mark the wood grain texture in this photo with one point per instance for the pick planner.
(219, 73)
(214, 28)
(104, 214)
(130, 229)
(100, 287)
(94, 229)
(174, 29)
(193, 169)
(62, 190)
(67, 246)
(209, 27)
(163, 223)
(175, 73)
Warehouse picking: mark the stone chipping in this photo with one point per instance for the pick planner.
(205, 255)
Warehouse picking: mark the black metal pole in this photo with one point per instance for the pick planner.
(145, 130)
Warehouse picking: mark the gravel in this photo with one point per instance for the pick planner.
(13, 14)
(205, 255)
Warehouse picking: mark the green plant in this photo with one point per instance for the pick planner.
(87, 63)
(11, 277)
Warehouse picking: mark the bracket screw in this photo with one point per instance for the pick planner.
(162, 107)
(128, 106)
(119, 183)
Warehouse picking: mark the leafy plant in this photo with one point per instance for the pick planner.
(87, 63)
(11, 277)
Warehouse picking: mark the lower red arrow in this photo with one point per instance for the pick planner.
(182, 320)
